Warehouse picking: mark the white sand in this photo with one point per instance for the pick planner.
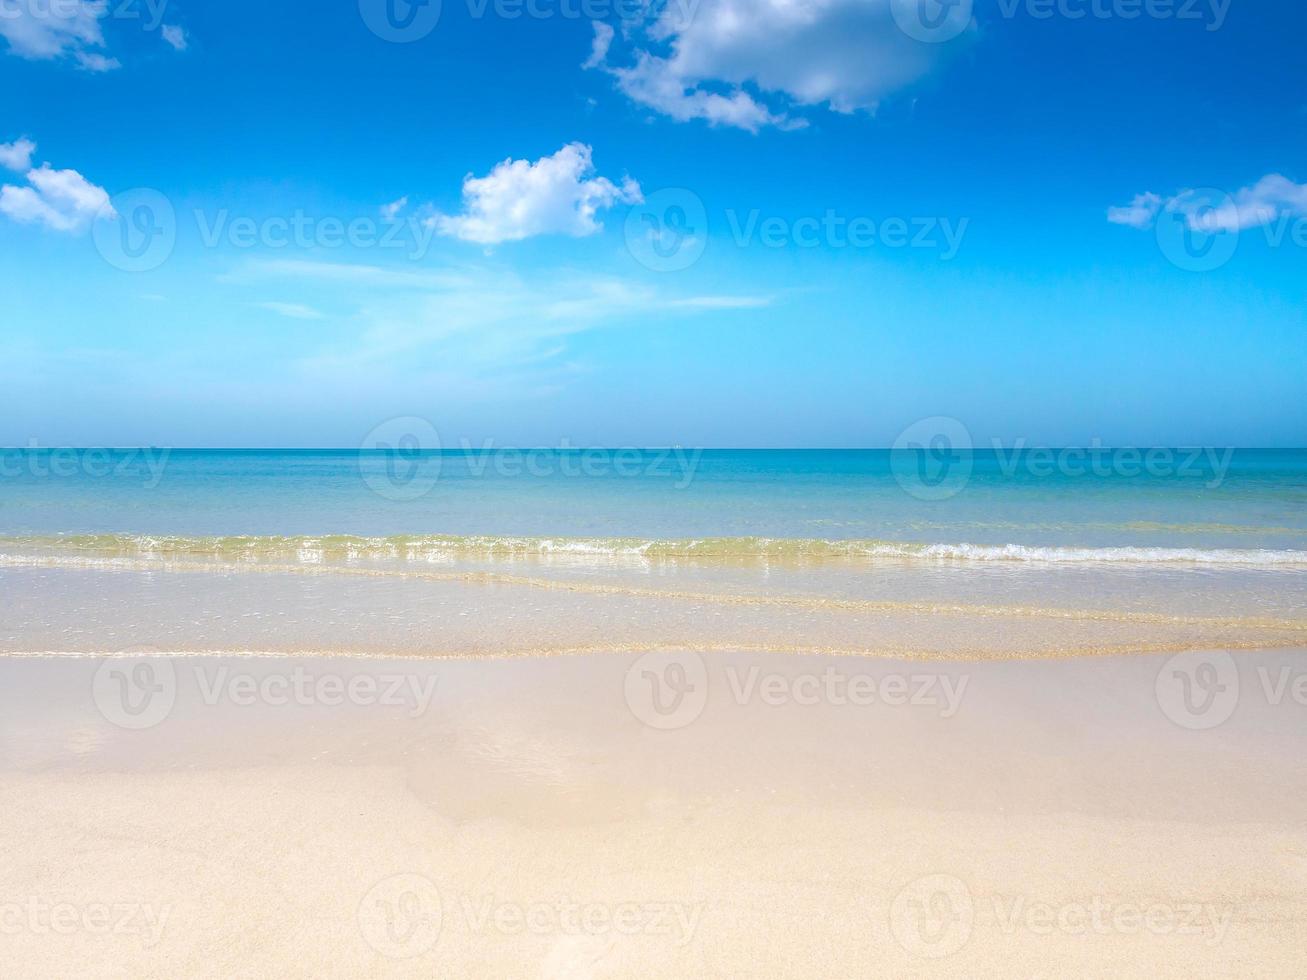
(529, 824)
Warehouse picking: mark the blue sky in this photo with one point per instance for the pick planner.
(519, 269)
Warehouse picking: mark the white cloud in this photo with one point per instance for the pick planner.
(1139, 213)
(553, 196)
(696, 63)
(17, 155)
(175, 36)
(94, 61)
(60, 199)
(1270, 199)
(389, 211)
(43, 29)
(603, 40)
(295, 311)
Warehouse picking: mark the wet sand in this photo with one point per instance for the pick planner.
(658, 814)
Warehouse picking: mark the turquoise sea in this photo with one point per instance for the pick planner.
(914, 552)
(1245, 506)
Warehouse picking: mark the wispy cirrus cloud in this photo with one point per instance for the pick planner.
(292, 311)
(484, 320)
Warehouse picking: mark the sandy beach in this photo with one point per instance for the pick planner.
(662, 814)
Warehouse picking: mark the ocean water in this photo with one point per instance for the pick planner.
(1245, 506)
(910, 553)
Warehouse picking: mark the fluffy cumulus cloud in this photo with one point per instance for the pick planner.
(45, 29)
(1269, 200)
(60, 199)
(555, 195)
(753, 63)
(17, 155)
